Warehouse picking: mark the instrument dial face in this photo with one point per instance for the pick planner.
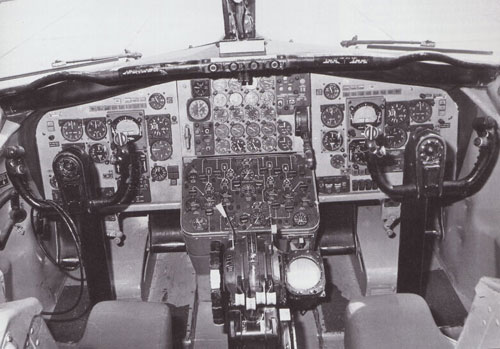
(300, 219)
(269, 144)
(237, 130)
(72, 130)
(96, 129)
(332, 140)
(234, 85)
(331, 91)
(332, 116)
(198, 109)
(128, 126)
(395, 137)
(158, 173)
(269, 113)
(247, 174)
(237, 114)
(238, 145)
(221, 115)
(200, 88)
(268, 129)
(397, 113)
(337, 161)
(248, 190)
(420, 111)
(254, 145)
(252, 113)
(193, 205)
(357, 152)
(253, 129)
(220, 85)
(267, 97)
(284, 128)
(158, 126)
(156, 101)
(222, 131)
(266, 83)
(285, 143)
(161, 150)
(220, 100)
(235, 99)
(200, 223)
(98, 153)
(223, 146)
(365, 113)
(252, 98)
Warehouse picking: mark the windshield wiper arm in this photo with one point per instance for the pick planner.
(442, 50)
(354, 41)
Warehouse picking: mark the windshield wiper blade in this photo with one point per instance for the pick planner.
(442, 50)
(65, 65)
(354, 41)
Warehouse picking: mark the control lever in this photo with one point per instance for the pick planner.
(16, 215)
(303, 130)
(428, 152)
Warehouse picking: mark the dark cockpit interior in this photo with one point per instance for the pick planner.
(254, 194)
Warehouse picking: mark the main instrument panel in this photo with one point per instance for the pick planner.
(201, 124)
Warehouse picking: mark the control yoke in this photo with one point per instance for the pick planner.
(426, 152)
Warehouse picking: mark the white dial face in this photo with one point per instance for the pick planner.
(220, 85)
(365, 114)
(267, 97)
(252, 98)
(198, 109)
(235, 99)
(220, 100)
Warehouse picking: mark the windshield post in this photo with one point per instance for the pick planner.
(239, 19)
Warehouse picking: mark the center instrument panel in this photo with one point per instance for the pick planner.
(210, 125)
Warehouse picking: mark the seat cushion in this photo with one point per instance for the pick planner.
(128, 324)
(392, 321)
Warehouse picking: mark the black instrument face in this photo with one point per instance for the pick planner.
(72, 130)
(395, 137)
(357, 152)
(159, 126)
(420, 111)
(397, 113)
(332, 116)
(161, 150)
(158, 173)
(96, 129)
(157, 101)
(98, 153)
(200, 88)
(332, 140)
(331, 91)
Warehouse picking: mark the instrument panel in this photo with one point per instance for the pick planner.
(179, 123)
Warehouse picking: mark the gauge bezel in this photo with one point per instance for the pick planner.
(379, 111)
(331, 96)
(340, 142)
(90, 133)
(399, 144)
(412, 105)
(80, 133)
(339, 107)
(168, 147)
(389, 120)
(153, 104)
(206, 88)
(193, 100)
(156, 118)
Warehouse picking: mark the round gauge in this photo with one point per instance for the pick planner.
(237, 130)
(126, 126)
(284, 128)
(357, 152)
(252, 98)
(158, 126)
(395, 137)
(420, 111)
(234, 85)
(285, 143)
(156, 101)
(397, 113)
(221, 115)
(223, 146)
(258, 219)
(248, 190)
(247, 174)
(269, 113)
(267, 97)
(332, 116)
(198, 109)
(161, 150)
(331, 91)
(158, 173)
(96, 129)
(220, 85)
(200, 88)
(238, 145)
(253, 145)
(72, 130)
(235, 99)
(337, 161)
(200, 223)
(222, 131)
(253, 129)
(98, 153)
(252, 113)
(220, 100)
(365, 113)
(268, 129)
(300, 219)
(237, 113)
(269, 144)
(193, 205)
(332, 140)
(266, 83)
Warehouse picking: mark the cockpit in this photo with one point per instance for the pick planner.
(254, 194)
